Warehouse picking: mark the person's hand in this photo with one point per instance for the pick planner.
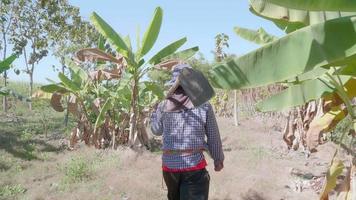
(219, 166)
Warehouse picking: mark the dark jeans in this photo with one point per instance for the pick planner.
(193, 185)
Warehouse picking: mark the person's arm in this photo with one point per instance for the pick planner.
(156, 121)
(214, 140)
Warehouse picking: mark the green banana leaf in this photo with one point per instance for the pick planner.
(101, 117)
(69, 84)
(349, 70)
(318, 5)
(78, 71)
(260, 36)
(290, 20)
(52, 88)
(298, 94)
(319, 45)
(168, 50)
(182, 55)
(6, 64)
(151, 35)
(109, 33)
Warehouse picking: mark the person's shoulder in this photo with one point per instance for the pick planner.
(206, 106)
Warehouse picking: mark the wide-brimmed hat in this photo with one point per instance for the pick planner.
(174, 82)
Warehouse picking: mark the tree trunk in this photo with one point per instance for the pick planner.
(236, 114)
(133, 113)
(31, 90)
(4, 100)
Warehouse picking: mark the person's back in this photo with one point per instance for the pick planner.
(184, 128)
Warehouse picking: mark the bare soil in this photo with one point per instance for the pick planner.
(257, 167)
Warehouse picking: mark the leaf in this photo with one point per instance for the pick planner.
(79, 76)
(319, 45)
(324, 124)
(168, 50)
(182, 55)
(151, 34)
(69, 84)
(298, 94)
(318, 5)
(52, 88)
(109, 33)
(349, 70)
(333, 172)
(291, 19)
(101, 117)
(260, 36)
(6, 64)
(155, 89)
(101, 43)
(94, 54)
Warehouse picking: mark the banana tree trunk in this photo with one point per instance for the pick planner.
(133, 113)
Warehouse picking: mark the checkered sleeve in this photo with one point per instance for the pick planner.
(213, 137)
(156, 121)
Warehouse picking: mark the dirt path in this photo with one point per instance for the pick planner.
(257, 167)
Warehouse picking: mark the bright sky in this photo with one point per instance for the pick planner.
(199, 20)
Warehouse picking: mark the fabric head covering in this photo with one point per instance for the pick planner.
(177, 99)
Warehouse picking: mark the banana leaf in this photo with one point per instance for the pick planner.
(260, 36)
(109, 33)
(302, 93)
(182, 55)
(319, 45)
(151, 35)
(168, 50)
(290, 20)
(5, 64)
(318, 5)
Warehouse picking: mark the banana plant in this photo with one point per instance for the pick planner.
(316, 59)
(137, 65)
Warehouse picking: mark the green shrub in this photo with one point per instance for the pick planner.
(77, 170)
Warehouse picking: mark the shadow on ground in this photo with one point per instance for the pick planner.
(23, 149)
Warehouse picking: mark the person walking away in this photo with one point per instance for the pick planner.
(184, 129)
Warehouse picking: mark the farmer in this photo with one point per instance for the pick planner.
(184, 128)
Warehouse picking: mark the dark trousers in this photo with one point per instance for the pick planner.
(193, 185)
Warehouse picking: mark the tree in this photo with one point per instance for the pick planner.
(30, 22)
(6, 20)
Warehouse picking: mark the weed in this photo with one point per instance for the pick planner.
(11, 190)
(76, 170)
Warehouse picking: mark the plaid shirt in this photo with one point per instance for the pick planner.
(187, 130)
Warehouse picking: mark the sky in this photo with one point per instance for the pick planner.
(198, 20)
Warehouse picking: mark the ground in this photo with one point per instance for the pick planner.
(257, 167)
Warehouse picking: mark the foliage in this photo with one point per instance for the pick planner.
(112, 97)
(311, 62)
(76, 170)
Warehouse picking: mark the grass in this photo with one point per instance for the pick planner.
(8, 191)
(77, 170)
